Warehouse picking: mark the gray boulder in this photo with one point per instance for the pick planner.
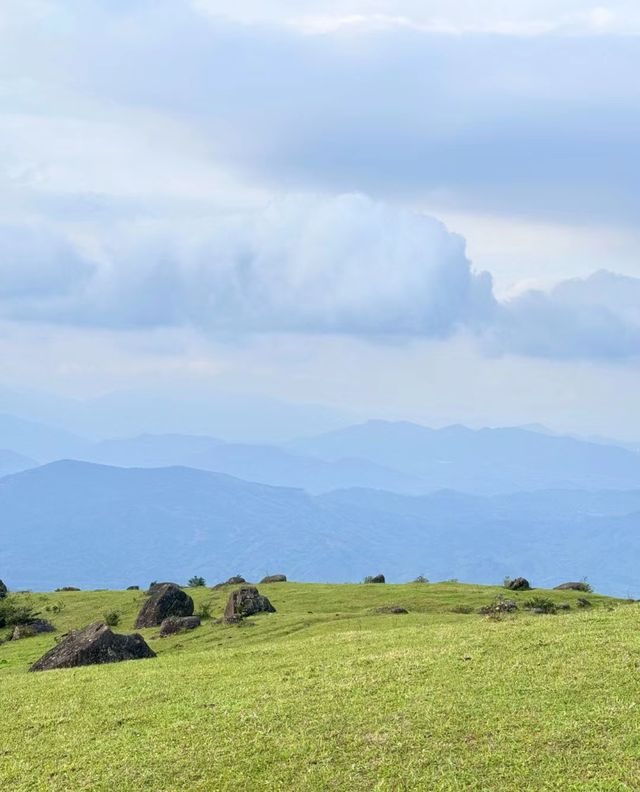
(236, 580)
(178, 624)
(575, 585)
(3, 590)
(274, 579)
(94, 645)
(32, 628)
(392, 609)
(377, 579)
(518, 584)
(166, 600)
(246, 602)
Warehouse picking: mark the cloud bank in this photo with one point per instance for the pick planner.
(543, 125)
(345, 265)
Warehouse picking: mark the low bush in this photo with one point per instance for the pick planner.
(111, 618)
(421, 579)
(13, 611)
(540, 605)
(498, 607)
(196, 582)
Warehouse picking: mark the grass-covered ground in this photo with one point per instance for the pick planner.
(327, 694)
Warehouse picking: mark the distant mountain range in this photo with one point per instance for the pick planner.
(76, 523)
(10, 462)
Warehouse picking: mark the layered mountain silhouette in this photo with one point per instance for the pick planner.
(76, 523)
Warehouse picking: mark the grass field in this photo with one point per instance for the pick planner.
(327, 694)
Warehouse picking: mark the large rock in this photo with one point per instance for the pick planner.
(392, 609)
(32, 628)
(274, 579)
(94, 645)
(3, 590)
(518, 584)
(579, 585)
(153, 587)
(236, 580)
(166, 600)
(177, 624)
(246, 602)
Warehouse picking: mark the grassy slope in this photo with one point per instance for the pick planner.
(328, 695)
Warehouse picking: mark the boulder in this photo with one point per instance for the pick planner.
(246, 602)
(3, 590)
(177, 624)
(94, 645)
(518, 584)
(166, 600)
(155, 586)
(582, 602)
(236, 580)
(34, 627)
(133, 588)
(274, 579)
(392, 609)
(377, 579)
(579, 585)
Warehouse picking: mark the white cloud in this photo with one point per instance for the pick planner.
(307, 265)
(302, 264)
(594, 317)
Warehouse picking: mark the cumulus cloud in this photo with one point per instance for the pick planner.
(308, 264)
(38, 267)
(593, 317)
(344, 265)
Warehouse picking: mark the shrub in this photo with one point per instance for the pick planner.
(111, 618)
(421, 579)
(196, 582)
(368, 579)
(13, 611)
(205, 610)
(584, 586)
(498, 607)
(541, 605)
(583, 602)
(55, 607)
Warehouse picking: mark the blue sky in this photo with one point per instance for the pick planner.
(421, 210)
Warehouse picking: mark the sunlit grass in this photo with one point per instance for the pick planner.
(327, 694)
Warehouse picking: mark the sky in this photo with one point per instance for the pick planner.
(424, 210)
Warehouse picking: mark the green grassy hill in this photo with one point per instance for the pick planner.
(328, 694)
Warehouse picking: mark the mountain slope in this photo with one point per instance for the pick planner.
(39, 441)
(73, 523)
(485, 461)
(10, 462)
(261, 463)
